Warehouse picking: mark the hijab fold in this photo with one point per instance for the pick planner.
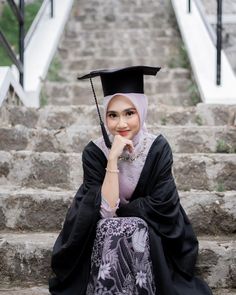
(130, 170)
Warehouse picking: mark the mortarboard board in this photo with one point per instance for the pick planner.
(123, 80)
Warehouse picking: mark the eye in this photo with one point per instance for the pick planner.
(130, 113)
(112, 115)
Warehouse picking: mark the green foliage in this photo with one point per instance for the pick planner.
(198, 120)
(223, 147)
(9, 26)
(194, 94)
(31, 10)
(43, 98)
(163, 121)
(53, 72)
(180, 61)
(220, 187)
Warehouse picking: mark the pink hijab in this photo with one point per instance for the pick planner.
(130, 171)
(140, 102)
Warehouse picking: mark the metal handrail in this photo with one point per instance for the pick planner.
(219, 41)
(16, 10)
(23, 41)
(189, 6)
(10, 52)
(215, 36)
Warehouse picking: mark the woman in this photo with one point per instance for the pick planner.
(126, 232)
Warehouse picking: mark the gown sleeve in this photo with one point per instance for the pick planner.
(80, 224)
(106, 211)
(159, 205)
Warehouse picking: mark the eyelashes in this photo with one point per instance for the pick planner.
(127, 113)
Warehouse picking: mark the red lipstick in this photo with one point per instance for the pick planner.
(123, 133)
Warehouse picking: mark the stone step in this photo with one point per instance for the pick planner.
(134, 44)
(95, 15)
(47, 169)
(74, 32)
(55, 117)
(210, 6)
(172, 87)
(40, 290)
(25, 257)
(37, 290)
(166, 74)
(170, 99)
(176, 93)
(224, 291)
(84, 65)
(31, 209)
(183, 139)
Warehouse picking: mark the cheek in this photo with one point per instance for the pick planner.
(136, 122)
(110, 123)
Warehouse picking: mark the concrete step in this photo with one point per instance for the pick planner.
(44, 210)
(26, 258)
(46, 169)
(55, 117)
(183, 139)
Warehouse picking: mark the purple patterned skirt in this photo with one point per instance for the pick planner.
(120, 262)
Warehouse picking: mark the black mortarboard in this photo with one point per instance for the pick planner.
(124, 80)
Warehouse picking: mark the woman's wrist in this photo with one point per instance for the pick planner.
(112, 159)
(112, 170)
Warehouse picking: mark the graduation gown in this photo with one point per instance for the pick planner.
(173, 244)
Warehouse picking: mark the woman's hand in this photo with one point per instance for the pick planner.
(119, 144)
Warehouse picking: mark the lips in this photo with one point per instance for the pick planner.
(123, 133)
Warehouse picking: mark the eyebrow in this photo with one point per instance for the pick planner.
(126, 110)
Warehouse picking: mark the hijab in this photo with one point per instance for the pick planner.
(131, 168)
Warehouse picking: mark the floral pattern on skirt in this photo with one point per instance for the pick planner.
(120, 262)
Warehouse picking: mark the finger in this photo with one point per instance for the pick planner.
(129, 147)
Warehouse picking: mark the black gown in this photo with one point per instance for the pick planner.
(173, 244)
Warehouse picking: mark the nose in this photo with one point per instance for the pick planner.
(122, 122)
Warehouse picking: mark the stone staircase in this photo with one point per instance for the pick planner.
(40, 149)
(229, 26)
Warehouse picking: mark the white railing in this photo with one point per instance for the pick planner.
(38, 55)
(202, 54)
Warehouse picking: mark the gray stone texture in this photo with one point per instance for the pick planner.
(183, 139)
(30, 253)
(41, 290)
(32, 209)
(59, 117)
(47, 169)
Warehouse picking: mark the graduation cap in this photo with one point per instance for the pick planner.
(123, 80)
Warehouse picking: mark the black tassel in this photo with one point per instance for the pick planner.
(105, 135)
(104, 132)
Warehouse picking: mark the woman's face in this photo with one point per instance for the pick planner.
(122, 117)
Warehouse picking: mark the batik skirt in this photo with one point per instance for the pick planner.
(120, 261)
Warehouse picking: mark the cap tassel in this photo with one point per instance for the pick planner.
(104, 132)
